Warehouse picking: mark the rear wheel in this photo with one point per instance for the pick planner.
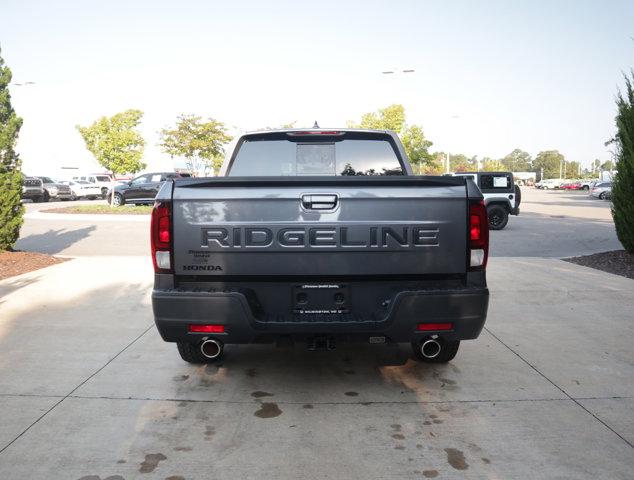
(602, 196)
(448, 351)
(190, 352)
(585, 187)
(498, 217)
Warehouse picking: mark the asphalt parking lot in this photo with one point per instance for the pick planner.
(88, 390)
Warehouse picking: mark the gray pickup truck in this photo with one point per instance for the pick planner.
(320, 237)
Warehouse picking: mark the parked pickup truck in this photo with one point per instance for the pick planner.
(319, 237)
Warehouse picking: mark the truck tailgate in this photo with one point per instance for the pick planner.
(310, 226)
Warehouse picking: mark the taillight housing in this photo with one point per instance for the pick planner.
(161, 237)
(478, 236)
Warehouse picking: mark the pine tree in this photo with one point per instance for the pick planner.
(11, 209)
(623, 185)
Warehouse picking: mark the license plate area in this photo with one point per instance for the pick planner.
(320, 298)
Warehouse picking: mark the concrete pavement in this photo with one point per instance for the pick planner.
(89, 390)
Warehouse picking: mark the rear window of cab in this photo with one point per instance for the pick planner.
(315, 155)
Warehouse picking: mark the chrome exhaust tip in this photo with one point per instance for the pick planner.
(430, 348)
(211, 348)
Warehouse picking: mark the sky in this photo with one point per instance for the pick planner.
(489, 76)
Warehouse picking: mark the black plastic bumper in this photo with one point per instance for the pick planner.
(175, 310)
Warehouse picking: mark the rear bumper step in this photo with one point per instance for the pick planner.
(175, 310)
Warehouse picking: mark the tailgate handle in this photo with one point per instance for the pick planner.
(319, 201)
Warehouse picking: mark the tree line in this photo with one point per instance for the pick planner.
(118, 146)
(551, 163)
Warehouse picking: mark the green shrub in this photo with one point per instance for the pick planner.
(623, 185)
(11, 209)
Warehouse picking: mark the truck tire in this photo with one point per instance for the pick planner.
(585, 187)
(447, 353)
(190, 352)
(46, 197)
(498, 217)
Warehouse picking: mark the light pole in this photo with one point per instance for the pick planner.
(560, 168)
(398, 72)
(448, 155)
(392, 72)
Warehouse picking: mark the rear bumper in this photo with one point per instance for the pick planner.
(175, 310)
(515, 211)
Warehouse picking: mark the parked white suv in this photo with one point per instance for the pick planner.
(82, 189)
(549, 184)
(102, 180)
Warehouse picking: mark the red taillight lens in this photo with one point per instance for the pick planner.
(475, 227)
(478, 236)
(164, 230)
(161, 237)
(207, 328)
(426, 327)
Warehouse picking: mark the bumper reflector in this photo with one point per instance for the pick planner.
(477, 258)
(163, 260)
(426, 327)
(194, 328)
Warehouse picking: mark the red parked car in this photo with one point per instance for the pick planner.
(572, 186)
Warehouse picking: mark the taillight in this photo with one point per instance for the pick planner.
(161, 237)
(478, 236)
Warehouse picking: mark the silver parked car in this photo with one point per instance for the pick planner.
(601, 190)
(54, 190)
